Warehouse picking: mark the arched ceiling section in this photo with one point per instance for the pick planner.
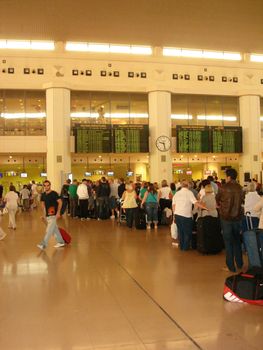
(235, 25)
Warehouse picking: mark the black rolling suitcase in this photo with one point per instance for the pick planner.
(209, 237)
(140, 220)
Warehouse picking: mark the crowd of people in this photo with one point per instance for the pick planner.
(183, 202)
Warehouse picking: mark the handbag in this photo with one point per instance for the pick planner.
(174, 231)
(5, 210)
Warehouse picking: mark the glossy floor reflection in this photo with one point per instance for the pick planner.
(115, 288)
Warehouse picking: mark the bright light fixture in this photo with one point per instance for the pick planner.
(108, 48)
(22, 115)
(220, 55)
(109, 115)
(98, 47)
(261, 119)
(181, 116)
(27, 45)
(256, 58)
(120, 49)
(228, 118)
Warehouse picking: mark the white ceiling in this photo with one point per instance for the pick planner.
(235, 25)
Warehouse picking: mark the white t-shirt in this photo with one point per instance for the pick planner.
(34, 189)
(164, 192)
(11, 199)
(251, 199)
(183, 201)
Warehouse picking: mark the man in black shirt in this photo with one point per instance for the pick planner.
(51, 204)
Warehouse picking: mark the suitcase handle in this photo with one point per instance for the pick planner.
(249, 220)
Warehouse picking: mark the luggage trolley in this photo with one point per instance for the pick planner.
(122, 215)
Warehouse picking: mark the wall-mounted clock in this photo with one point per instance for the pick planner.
(163, 143)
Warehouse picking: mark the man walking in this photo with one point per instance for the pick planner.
(229, 198)
(51, 204)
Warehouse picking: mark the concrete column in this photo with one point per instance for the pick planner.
(58, 135)
(250, 160)
(159, 125)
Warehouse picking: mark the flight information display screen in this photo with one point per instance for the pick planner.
(93, 139)
(205, 139)
(112, 139)
(226, 139)
(192, 139)
(130, 138)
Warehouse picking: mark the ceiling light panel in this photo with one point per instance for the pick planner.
(108, 48)
(27, 45)
(253, 57)
(220, 55)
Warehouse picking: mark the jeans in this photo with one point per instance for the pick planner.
(185, 228)
(73, 206)
(231, 235)
(131, 215)
(65, 204)
(103, 207)
(52, 228)
(251, 244)
(152, 212)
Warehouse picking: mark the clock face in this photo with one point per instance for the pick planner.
(163, 143)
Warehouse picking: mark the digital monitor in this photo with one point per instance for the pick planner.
(23, 175)
(1, 175)
(87, 173)
(110, 173)
(129, 173)
(189, 172)
(43, 174)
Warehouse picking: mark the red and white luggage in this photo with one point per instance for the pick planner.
(65, 235)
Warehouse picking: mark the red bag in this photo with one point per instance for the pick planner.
(65, 235)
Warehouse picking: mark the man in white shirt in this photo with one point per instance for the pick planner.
(183, 202)
(83, 194)
(34, 194)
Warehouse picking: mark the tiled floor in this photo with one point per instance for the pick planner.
(115, 288)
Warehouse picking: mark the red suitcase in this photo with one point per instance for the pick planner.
(65, 235)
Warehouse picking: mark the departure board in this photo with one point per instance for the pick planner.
(93, 139)
(227, 139)
(130, 138)
(192, 139)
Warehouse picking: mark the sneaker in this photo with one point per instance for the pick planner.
(82, 219)
(112, 217)
(40, 246)
(59, 245)
(87, 219)
(98, 219)
(3, 236)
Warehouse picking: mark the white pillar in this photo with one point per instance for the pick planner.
(58, 135)
(160, 125)
(250, 160)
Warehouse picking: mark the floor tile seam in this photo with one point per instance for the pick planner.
(153, 300)
(141, 343)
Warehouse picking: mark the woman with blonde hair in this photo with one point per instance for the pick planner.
(209, 201)
(252, 198)
(129, 204)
